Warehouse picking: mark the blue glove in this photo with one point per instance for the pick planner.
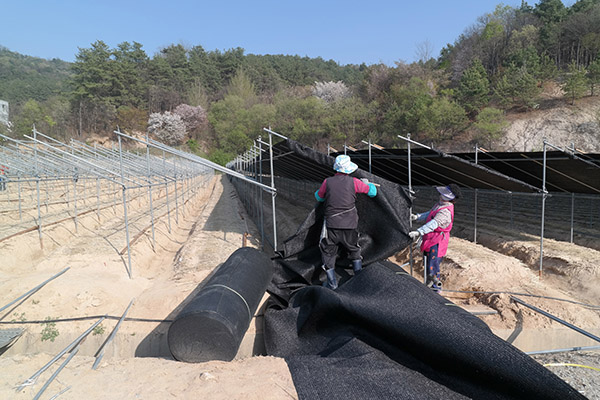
(372, 190)
(320, 200)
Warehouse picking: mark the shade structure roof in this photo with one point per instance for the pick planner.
(565, 172)
(514, 171)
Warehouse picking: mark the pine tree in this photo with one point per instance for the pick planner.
(474, 88)
(575, 85)
(593, 74)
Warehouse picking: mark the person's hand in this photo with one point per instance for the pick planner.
(364, 180)
(414, 217)
(414, 235)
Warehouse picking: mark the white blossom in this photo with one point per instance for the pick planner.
(167, 127)
(331, 91)
(193, 117)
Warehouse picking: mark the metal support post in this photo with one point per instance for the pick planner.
(424, 269)
(75, 200)
(98, 198)
(370, 159)
(47, 191)
(37, 186)
(410, 193)
(167, 191)
(262, 217)
(544, 194)
(183, 192)
(19, 190)
(475, 216)
(129, 270)
(511, 210)
(476, 195)
(572, 214)
(273, 193)
(176, 194)
(150, 192)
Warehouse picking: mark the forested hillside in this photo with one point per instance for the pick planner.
(218, 101)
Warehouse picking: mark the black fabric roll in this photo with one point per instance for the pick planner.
(213, 324)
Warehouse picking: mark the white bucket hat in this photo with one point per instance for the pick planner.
(344, 165)
(445, 193)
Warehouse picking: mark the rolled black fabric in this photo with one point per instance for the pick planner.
(212, 325)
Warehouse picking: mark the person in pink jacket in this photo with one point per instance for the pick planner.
(435, 234)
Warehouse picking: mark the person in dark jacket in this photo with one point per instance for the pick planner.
(435, 234)
(341, 217)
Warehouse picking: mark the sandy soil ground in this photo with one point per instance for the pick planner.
(97, 283)
(211, 228)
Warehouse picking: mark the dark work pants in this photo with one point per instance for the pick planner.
(336, 237)
(433, 261)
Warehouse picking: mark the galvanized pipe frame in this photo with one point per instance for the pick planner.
(411, 193)
(567, 213)
(55, 161)
(49, 166)
(91, 167)
(246, 163)
(138, 164)
(544, 193)
(94, 169)
(192, 159)
(75, 167)
(198, 160)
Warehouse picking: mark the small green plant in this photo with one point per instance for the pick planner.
(49, 332)
(98, 330)
(34, 301)
(19, 317)
(193, 145)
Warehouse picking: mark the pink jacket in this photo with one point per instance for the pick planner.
(440, 236)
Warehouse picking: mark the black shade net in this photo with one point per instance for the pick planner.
(507, 171)
(382, 334)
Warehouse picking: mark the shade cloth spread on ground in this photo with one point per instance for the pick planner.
(382, 334)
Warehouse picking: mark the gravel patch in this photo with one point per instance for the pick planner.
(585, 380)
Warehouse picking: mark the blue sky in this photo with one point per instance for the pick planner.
(349, 31)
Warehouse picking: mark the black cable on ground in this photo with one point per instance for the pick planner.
(523, 294)
(45, 321)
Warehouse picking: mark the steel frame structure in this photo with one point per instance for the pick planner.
(40, 159)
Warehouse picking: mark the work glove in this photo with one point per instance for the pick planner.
(416, 237)
(364, 180)
(414, 217)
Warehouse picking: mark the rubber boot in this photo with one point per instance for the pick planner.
(429, 281)
(436, 284)
(356, 266)
(331, 282)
